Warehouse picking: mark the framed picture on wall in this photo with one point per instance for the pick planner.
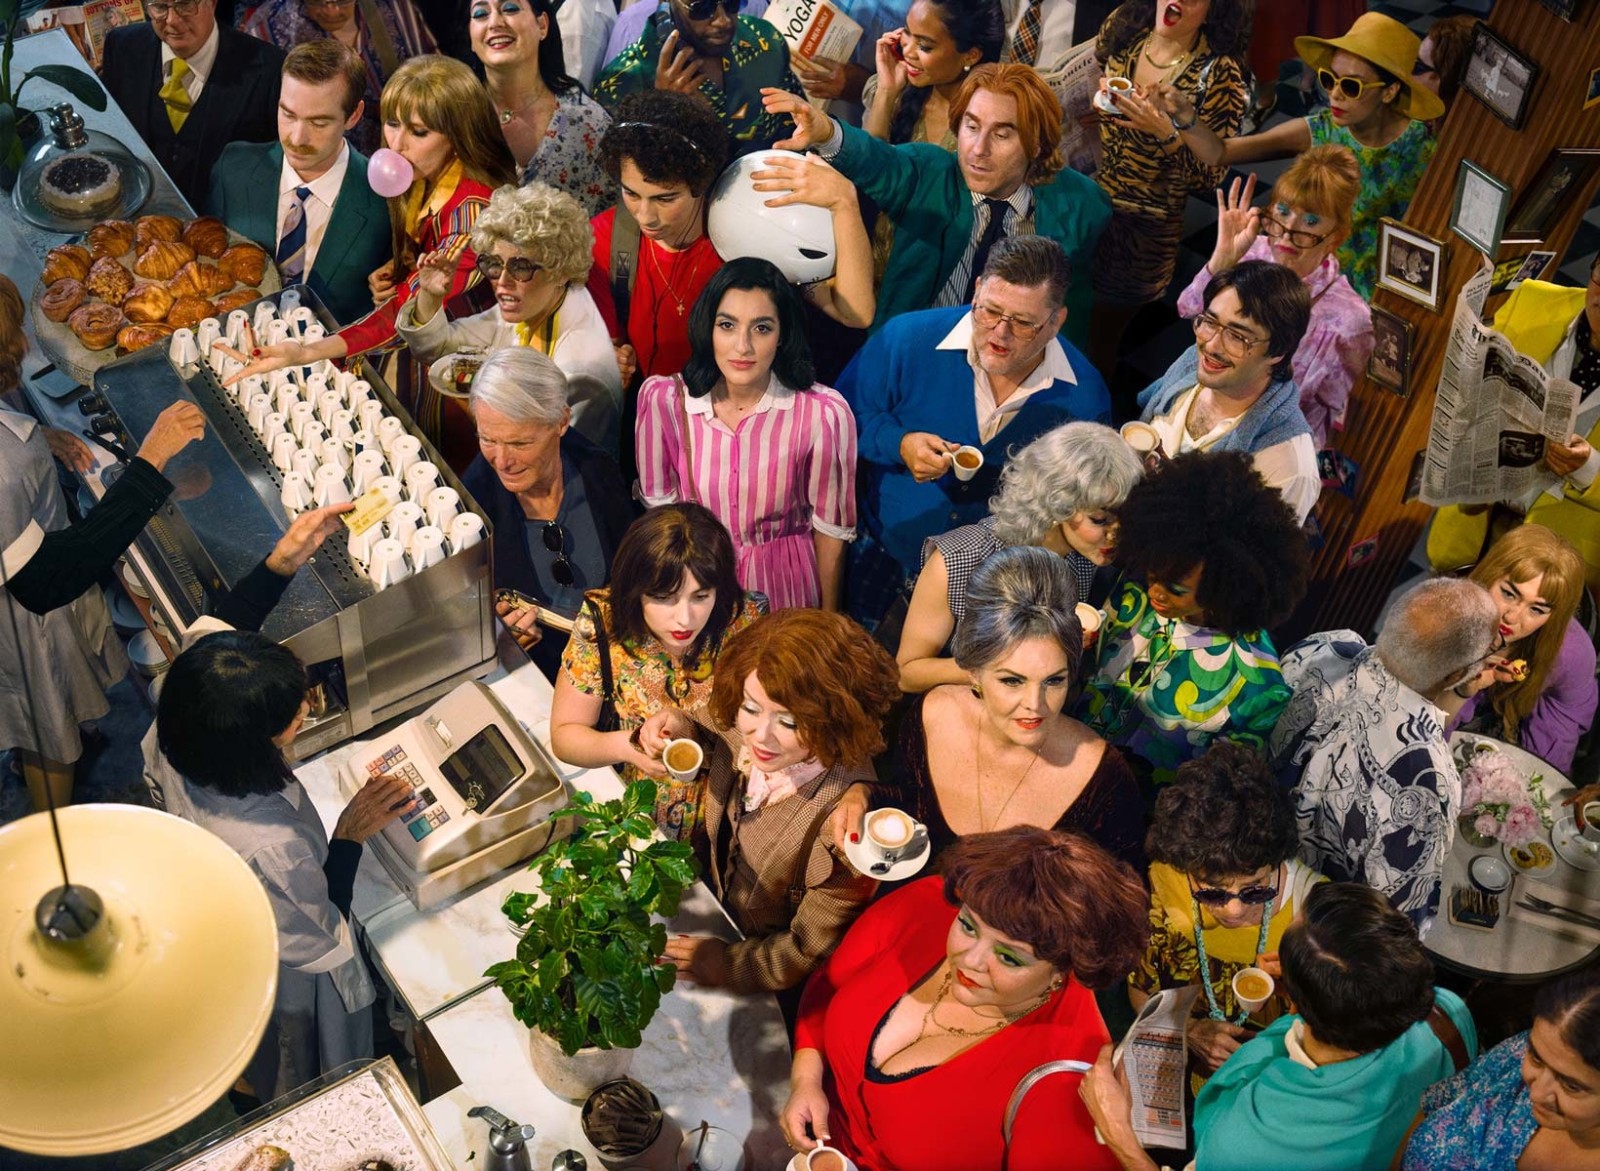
(1499, 77)
(1390, 364)
(1564, 173)
(1591, 95)
(1410, 263)
(1565, 9)
(1481, 204)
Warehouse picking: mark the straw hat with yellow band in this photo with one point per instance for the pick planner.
(1386, 43)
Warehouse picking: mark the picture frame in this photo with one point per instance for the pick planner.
(1500, 77)
(1565, 9)
(1591, 96)
(1548, 197)
(1481, 205)
(1410, 264)
(1390, 363)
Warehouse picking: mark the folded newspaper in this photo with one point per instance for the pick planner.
(1155, 1055)
(815, 29)
(1075, 78)
(1494, 412)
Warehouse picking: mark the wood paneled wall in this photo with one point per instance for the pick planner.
(1384, 432)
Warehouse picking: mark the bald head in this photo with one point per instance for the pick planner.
(1437, 630)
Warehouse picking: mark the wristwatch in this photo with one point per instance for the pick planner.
(1194, 120)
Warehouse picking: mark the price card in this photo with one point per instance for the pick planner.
(371, 507)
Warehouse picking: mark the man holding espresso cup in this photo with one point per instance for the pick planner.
(942, 397)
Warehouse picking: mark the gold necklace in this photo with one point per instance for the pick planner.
(954, 1030)
(1169, 67)
(665, 282)
(983, 826)
(506, 115)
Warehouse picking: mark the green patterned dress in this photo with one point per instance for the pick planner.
(1163, 690)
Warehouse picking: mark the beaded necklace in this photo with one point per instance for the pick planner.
(1205, 963)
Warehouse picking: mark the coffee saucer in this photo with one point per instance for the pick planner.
(862, 859)
(1102, 102)
(1571, 845)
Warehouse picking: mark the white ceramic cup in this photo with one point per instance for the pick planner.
(334, 451)
(1116, 87)
(296, 492)
(266, 314)
(366, 467)
(403, 521)
(312, 435)
(369, 412)
(306, 463)
(247, 388)
(965, 461)
(826, 1158)
(427, 547)
(390, 487)
(181, 348)
(234, 330)
(255, 413)
(328, 401)
(284, 395)
(274, 425)
(208, 331)
(1590, 813)
(360, 545)
(388, 563)
(892, 835)
(1249, 976)
(389, 429)
(465, 531)
(1090, 619)
(342, 424)
(442, 505)
(404, 453)
(330, 485)
(421, 478)
(276, 333)
(682, 759)
(283, 449)
(299, 414)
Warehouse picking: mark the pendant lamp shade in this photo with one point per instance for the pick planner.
(112, 1045)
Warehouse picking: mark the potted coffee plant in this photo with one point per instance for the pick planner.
(587, 977)
(19, 126)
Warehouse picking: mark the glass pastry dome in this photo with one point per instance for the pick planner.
(77, 177)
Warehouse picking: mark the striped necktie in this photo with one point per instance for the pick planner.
(175, 95)
(291, 255)
(1025, 45)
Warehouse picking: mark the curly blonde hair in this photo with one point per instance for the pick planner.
(13, 340)
(547, 226)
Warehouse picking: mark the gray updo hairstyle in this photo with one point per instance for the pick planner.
(1018, 593)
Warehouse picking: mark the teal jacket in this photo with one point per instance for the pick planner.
(920, 188)
(244, 195)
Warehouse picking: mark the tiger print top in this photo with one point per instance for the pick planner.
(1133, 171)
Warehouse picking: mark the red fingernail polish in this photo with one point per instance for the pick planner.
(855, 838)
(255, 353)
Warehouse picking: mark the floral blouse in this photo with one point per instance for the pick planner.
(569, 157)
(1164, 690)
(645, 680)
(1478, 1120)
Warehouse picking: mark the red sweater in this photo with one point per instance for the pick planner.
(434, 232)
(946, 1118)
(665, 287)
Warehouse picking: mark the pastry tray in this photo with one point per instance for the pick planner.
(358, 1113)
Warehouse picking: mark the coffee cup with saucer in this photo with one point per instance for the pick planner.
(893, 846)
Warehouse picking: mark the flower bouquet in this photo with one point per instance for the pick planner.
(1499, 804)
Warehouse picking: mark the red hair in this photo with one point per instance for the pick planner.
(1038, 113)
(827, 672)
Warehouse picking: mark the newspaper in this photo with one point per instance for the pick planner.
(1075, 78)
(1155, 1055)
(815, 29)
(87, 24)
(1494, 411)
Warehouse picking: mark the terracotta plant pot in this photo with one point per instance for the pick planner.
(575, 1077)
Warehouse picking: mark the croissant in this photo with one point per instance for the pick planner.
(245, 263)
(61, 298)
(199, 280)
(150, 229)
(137, 337)
(226, 305)
(108, 280)
(162, 260)
(148, 302)
(68, 260)
(187, 312)
(95, 325)
(112, 238)
(207, 236)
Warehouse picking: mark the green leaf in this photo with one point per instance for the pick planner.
(666, 977)
(75, 81)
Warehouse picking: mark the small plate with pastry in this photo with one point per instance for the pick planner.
(1535, 859)
(127, 284)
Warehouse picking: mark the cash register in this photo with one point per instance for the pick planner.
(483, 791)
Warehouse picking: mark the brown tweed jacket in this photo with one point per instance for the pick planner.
(777, 872)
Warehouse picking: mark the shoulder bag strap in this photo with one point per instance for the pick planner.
(388, 55)
(680, 391)
(624, 264)
(797, 880)
(1449, 1036)
(602, 645)
(1030, 1079)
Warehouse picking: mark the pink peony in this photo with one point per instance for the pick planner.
(1522, 826)
(1486, 826)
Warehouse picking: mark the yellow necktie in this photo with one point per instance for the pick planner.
(176, 97)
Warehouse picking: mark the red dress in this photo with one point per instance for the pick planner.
(946, 1118)
(446, 422)
(665, 288)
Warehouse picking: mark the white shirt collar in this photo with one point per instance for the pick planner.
(778, 398)
(1053, 367)
(1021, 200)
(200, 64)
(325, 186)
(1294, 1045)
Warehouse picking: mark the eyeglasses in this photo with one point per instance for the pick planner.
(1348, 88)
(1236, 343)
(522, 269)
(1216, 896)
(1299, 237)
(309, 4)
(181, 7)
(706, 9)
(555, 541)
(990, 318)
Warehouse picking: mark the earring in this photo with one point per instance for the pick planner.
(977, 690)
(1056, 984)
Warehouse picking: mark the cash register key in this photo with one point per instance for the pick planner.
(441, 730)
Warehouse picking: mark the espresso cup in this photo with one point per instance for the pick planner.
(182, 348)
(442, 505)
(403, 521)
(1589, 815)
(826, 1158)
(389, 430)
(427, 547)
(388, 563)
(683, 759)
(965, 461)
(366, 467)
(296, 493)
(1116, 87)
(1089, 618)
(283, 449)
(404, 454)
(1252, 988)
(465, 531)
(891, 836)
(421, 478)
(266, 313)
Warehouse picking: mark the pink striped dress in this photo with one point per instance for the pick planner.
(787, 470)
